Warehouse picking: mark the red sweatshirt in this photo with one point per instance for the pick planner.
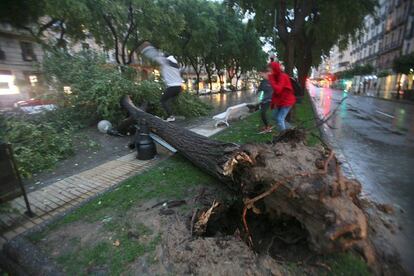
(283, 93)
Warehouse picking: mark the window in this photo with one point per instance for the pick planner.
(27, 51)
(33, 80)
(7, 85)
(67, 90)
(2, 55)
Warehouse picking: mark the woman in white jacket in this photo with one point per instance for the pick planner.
(170, 72)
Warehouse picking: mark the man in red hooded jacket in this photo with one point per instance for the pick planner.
(283, 97)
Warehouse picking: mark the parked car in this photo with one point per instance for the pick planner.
(34, 106)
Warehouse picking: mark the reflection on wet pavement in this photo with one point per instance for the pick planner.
(377, 138)
(220, 102)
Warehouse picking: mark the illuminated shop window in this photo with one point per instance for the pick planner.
(33, 80)
(7, 86)
(67, 90)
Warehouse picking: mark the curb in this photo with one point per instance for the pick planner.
(329, 138)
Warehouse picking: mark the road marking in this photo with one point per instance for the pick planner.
(385, 114)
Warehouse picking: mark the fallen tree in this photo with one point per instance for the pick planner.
(285, 177)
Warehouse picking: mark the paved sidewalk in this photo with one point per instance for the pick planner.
(70, 192)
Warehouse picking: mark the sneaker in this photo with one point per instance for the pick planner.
(170, 119)
(266, 129)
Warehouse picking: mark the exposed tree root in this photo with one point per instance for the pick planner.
(284, 178)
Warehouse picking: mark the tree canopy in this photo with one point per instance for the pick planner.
(304, 30)
(358, 70)
(202, 34)
(404, 64)
(120, 25)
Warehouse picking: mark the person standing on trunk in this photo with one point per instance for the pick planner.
(171, 74)
(283, 97)
(265, 96)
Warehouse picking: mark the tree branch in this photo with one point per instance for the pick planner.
(62, 33)
(129, 31)
(114, 34)
(46, 26)
(133, 50)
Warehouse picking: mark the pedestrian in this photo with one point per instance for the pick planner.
(265, 96)
(171, 74)
(283, 96)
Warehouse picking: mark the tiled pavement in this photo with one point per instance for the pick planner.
(67, 193)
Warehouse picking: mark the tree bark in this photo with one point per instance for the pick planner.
(197, 69)
(207, 154)
(209, 74)
(304, 63)
(290, 55)
(287, 176)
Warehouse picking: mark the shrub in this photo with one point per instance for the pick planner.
(186, 104)
(38, 143)
(190, 106)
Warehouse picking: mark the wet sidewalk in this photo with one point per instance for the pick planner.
(70, 192)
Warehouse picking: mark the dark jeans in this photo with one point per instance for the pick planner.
(166, 98)
(263, 110)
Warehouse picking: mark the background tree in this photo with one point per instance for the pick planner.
(229, 38)
(331, 23)
(280, 19)
(303, 30)
(49, 22)
(251, 52)
(120, 25)
(198, 35)
(123, 25)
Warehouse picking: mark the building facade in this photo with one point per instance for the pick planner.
(387, 35)
(20, 74)
(395, 24)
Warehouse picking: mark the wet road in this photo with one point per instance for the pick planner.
(221, 101)
(377, 138)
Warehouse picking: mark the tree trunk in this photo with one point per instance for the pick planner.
(200, 150)
(231, 75)
(198, 82)
(221, 82)
(209, 74)
(289, 57)
(304, 68)
(238, 76)
(197, 69)
(287, 177)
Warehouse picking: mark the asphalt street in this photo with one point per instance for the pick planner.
(377, 138)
